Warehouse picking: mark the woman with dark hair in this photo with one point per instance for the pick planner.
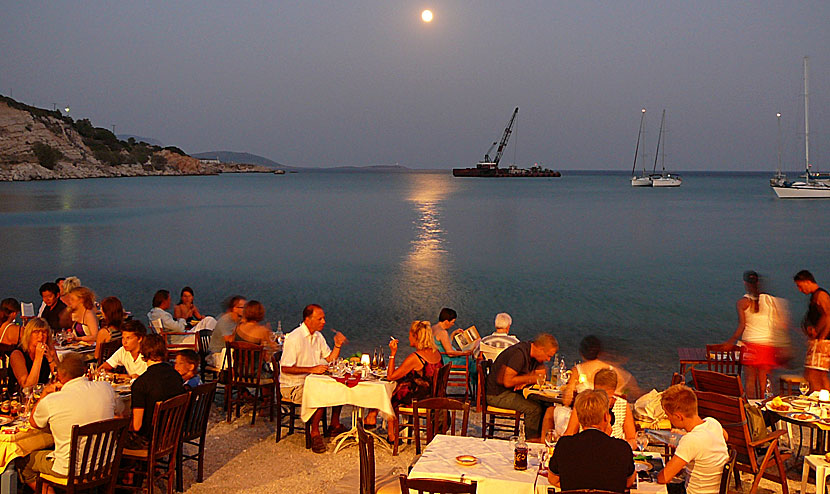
(759, 321)
(82, 311)
(186, 308)
(9, 331)
(113, 313)
(250, 330)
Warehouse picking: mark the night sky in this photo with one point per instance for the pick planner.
(329, 83)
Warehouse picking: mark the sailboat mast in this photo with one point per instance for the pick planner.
(806, 121)
(659, 138)
(639, 136)
(778, 115)
(663, 158)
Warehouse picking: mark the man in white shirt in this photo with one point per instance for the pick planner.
(702, 450)
(74, 400)
(305, 352)
(129, 355)
(492, 345)
(166, 323)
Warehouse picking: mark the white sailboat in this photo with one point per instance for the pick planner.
(663, 179)
(643, 180)
(811, 187)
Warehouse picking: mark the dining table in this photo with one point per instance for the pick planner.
(493, 468)
(18, 439)
(322, 390)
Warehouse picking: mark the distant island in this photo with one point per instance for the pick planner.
(40, 144)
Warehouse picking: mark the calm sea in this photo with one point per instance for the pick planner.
(647, 270)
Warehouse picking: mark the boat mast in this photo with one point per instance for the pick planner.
(806, 122)
(637, 148)
(663, 158)
(505, 137)
(779, 172)
(659, 138)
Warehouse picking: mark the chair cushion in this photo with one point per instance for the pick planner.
(135, 453)
(506, 411)
(53, 479)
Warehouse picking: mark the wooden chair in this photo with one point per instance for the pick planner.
(715, 382)
(460, 376)
(107, 349)
(729, 411)
(94, 457)
(437, 486)
(165, 440)
(405, 414)
(724, 361)
(245, 371)
(440, 418)
(366, 445)
(676, 378)
(293, 409)
(728, 467)
(494, 419)
(194, 430)
(203, 343)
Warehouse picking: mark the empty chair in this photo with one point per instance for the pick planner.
(440, 418)
(194, 430)
(724, 361)
(716, 382)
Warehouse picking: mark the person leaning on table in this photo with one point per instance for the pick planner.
(73, 400)
(592, 459)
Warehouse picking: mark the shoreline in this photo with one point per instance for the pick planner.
(28, 172)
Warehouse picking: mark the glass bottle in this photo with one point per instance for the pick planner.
(520, 450)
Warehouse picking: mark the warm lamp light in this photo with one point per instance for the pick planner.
(365, 360)
(824, 395)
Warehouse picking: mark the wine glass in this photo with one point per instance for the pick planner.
(642, 441)
(804, 387)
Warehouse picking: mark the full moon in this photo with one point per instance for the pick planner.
(426, 16)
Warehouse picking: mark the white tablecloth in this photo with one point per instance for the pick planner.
(494, 471)
(323, 391)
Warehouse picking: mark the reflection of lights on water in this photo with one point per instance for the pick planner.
(68, 244)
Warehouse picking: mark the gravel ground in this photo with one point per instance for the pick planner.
(241, 458)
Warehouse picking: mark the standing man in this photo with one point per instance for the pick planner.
(305, 352)
(816, 325)
(52, 306)
(515, 368)
(492, 345)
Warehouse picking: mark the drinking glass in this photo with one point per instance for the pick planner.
(804, 388)
(642, 441)
(550, 439)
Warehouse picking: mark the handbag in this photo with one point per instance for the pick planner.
(755, 422)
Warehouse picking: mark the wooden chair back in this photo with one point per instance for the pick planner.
(198, 412)
(107, 349)
(437, 486)
(459, 375)
(724, 361)
(728, 468)
(366, 445)
(442, 377)
(168, 418)
(440, 418)
(203, 345)
(245, 363)
(95, 454)
(676, 378)
(483, 370)
(715, 382)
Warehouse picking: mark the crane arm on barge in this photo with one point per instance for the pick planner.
(503, 144)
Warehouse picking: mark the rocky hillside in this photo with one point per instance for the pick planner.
(38, 144)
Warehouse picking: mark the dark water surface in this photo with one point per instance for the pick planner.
(646, 269)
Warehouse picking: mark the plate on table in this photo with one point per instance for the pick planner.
(121, 388)
(802, 416)
(782, 408)
(800, 403)
(642, 466)
(466, 460)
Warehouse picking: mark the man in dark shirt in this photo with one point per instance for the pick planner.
(159, 382)
(592, 459)
(53, 306)
(816, 325)
(516, 367)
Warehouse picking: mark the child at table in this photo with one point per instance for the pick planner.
(187, 364)
(702, 450)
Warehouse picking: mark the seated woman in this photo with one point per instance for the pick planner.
(415, 374)
(446, 320)
(67, 286)
(36, 359)
(9, 331)
(186, 309)
(82, 311)
(250, 330)
(622, 423)
(113, 317)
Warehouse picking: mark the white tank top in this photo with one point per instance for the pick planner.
(758, 328)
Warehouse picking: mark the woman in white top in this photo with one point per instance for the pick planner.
(622, 423)
(758, 322)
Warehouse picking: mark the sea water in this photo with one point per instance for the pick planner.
(647, 270)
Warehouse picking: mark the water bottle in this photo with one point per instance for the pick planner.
(280, 335)
(562, 371)
(768, 391)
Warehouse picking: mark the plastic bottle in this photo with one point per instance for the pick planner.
(280, 335)
(562, 370)
(768, 391)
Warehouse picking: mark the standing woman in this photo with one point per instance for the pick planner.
(113, 317)
(82, 310)
(36, 359)
(9, 331)
(186, 309)
(758, 317)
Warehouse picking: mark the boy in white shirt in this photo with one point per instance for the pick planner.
(702, 450)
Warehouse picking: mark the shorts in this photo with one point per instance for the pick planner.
(294, 394)
(818, 355)
(758, 355)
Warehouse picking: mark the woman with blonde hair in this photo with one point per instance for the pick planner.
(36, 359)
(82, 311)
(415, 374)
(67, 286)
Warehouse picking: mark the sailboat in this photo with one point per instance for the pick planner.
(643, 180)
(779, 178)
(812, 187)
(663, 179)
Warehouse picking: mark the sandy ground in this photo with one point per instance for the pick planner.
(241, 458)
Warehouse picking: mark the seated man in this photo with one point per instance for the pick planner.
(492, 345)
(516, 367)
(163, 321)
(592, 459)
(160, 382)
(53, 306)
(702, 450)
(305, 352)
(223, 332)
(129, 355)
(72, 400)
(187, 365)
